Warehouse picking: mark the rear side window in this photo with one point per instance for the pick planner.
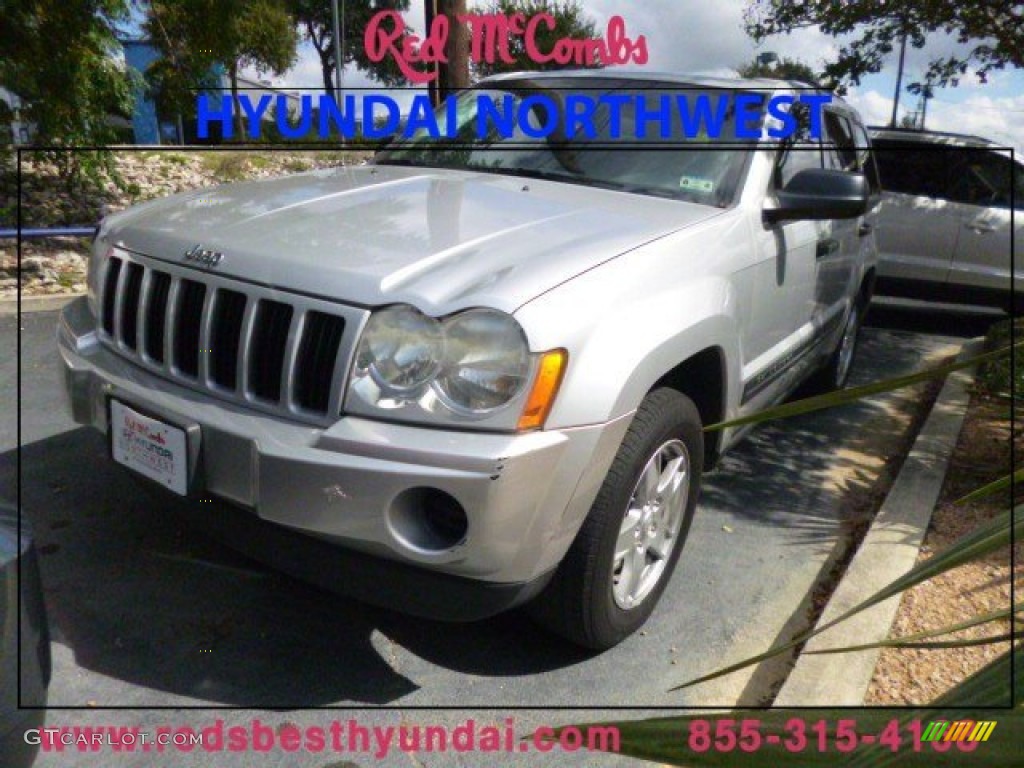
(840, 137)
(910, 169)
(800, 151)
(866, 159)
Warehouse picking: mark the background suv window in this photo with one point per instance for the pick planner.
(980, 177)
(912, 169)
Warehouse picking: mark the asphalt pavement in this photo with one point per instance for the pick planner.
(145, 612)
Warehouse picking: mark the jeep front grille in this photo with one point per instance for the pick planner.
(258, 346)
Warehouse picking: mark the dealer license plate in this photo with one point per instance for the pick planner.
(150, 447)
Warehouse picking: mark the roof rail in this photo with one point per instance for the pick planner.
(918, 132)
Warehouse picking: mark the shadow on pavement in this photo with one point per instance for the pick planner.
(942, 320)
(809, 472)
(139, 595)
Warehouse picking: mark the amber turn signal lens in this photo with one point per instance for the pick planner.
(545, 388)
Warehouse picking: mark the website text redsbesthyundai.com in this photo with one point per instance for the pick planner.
(338, 736)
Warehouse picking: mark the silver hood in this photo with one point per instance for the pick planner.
(373, 235)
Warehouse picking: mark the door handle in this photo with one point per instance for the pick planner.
(826, 247)
(864, 230)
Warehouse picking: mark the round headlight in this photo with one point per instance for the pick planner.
(401, 349)
(486, 362)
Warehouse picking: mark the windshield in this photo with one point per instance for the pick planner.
(611, 149)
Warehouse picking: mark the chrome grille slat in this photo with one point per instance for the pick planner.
(291, 353)
(205, 323)
(169, 331)
(122, 275)
(340, 373)
(245, 346)
(142, 321)
(262, 334)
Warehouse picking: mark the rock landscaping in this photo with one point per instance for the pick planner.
(57, 265)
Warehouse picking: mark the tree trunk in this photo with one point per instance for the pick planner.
(326, 57)
(327, 70)
(236, 104)
(455, 76)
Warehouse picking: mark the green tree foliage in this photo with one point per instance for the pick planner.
(991, 29)
(61, 57)
(315, 22)
(195, 35)
(571, 21)
(784, 69)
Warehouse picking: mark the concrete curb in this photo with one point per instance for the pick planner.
(9, 307)
(888, 551)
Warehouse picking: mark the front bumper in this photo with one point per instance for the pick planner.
(525, 496)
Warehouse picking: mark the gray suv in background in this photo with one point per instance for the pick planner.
(946, 225)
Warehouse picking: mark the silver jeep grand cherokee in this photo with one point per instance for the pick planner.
(476, 373)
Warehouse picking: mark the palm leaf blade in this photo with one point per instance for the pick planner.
(853, 394)
(984, 540)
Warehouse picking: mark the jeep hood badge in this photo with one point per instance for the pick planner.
(203, 257)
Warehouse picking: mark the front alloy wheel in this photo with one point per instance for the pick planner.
(625, 552)
(650, 527)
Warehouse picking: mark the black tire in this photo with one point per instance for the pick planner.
(584, 600)
(835, 372)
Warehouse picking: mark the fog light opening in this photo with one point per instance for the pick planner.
(429, 520)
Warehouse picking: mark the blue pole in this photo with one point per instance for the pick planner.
(48, 232)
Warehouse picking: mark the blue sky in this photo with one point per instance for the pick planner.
(707, 36)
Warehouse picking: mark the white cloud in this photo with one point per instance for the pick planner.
(694, 35)
(874, 108)
(306, 73)
(996, 119)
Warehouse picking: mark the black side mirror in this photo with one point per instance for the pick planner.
(816, 193)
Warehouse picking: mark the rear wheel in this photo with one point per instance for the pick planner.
(624, 555)
(836, 372)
